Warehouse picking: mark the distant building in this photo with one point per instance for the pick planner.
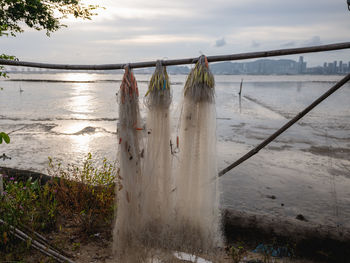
(301, 65)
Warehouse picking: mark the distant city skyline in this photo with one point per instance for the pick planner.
(260, 66)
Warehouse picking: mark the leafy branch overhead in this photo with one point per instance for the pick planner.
(40, 14)
(4, 56)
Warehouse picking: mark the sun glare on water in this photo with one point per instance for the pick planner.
(78, 77)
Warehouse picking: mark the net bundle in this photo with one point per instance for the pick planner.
(128, 100)
(158, 94)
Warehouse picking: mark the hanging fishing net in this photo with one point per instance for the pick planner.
(129, 129)
(157, 167)
(197, 213)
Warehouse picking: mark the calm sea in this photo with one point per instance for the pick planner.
(305, 171)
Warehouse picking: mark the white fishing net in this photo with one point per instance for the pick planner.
(157, 182)
(129, 131)
(162, 210)
(196, 195)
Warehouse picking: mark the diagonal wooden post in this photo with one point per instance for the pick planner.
(286, 126)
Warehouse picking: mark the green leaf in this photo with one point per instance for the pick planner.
(5, 137)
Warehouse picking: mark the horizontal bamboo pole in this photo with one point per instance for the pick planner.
(172, 62)
(286, 126)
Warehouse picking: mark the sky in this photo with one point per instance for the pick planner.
(139, 30)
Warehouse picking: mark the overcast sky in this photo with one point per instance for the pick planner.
(138, 30)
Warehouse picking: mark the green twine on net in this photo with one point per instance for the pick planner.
(200, 82)
(158, 94)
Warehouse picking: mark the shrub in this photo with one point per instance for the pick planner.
(237, 253)
(26, 205)
(85, 194)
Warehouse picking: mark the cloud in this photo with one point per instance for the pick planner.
(289, 44)
(255, 44)
(314, 41)
(220, 42)
(140, 30)
(151, 39)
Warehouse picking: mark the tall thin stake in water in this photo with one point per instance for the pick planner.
(197, 213)
(129, 186)
(157, 168)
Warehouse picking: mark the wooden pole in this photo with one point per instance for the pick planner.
(240, 88)
(286, 126)
(241, 56)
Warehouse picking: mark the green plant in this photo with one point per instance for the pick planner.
(237, 253)
(85, 194)
(7, 57)
(26, 205)
(4, 137)
(75, 246)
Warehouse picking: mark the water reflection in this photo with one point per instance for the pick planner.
(72, 127)
(80, 143)
(77, 140)
(80, 103)
(78, 77)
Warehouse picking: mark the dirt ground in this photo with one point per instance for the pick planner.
(81, 247)
(97, 248)
(96, 252)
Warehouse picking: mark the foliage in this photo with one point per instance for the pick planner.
(7, 57)
(85, 194)
(40, 14)
(4, 137)
(237, 253)
(25, 205)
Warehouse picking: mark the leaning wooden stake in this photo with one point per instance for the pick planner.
(286, 126)
(240, 88)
